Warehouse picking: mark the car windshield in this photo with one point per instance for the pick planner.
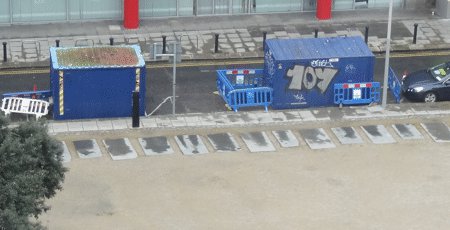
(440, 71)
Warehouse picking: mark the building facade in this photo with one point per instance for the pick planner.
(43, 11)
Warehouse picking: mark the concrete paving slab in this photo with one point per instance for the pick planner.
(307, 115)
(120, 149)
(286, 138)
(104, 125)
(378, 134)
(66, 157)
(155, 145)
(257, 142)
(119, 124)
(191, 144)
(223, 142)
(317, 138)
(90, 125)
(347, 135)
(439, 131)
(60, 127)
(87, 148)
(149, 122)
(407, 131)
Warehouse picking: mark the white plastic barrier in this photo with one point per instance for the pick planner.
(24, 106)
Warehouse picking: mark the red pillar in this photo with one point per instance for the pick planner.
(131, 14)
(323, 9)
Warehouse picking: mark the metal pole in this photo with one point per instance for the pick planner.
(216, 43)
(135, 110)
(415, 33)
(164, 44)
(264, 39)
(174, 85)
(388, 49)
(366, 35)
(5, 56)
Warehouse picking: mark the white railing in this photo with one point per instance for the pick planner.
(24, 106)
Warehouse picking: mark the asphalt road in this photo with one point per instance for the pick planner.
(196, 82)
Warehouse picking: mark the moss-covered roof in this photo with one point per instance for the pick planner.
(107, 56)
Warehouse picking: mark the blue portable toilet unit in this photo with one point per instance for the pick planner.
(302, 71)
(96, 82)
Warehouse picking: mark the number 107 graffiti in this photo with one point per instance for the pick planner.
(308, 77)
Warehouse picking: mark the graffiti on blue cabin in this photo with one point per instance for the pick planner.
(319, 74)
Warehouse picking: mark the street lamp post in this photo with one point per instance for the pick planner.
(175, 58)
(386, 63)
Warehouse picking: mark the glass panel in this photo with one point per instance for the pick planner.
(95, 9)
(205, 7)
(309, 5)
(262, 6)
(186, 7)
(384, 3)
(38, 10)
(240, 6)
(157, 8)
(343, 4)
(221, 7)
(4, 12)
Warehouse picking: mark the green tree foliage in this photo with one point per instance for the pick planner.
(31, 171)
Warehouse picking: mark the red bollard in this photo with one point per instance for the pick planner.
(323, 9)
(34, 89)
(131, 14)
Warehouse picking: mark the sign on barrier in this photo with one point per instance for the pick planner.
(394, 85)
(42, 94)
(243, 88)
(356, 93)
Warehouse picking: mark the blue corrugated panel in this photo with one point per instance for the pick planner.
(302, 71)
(96, 91)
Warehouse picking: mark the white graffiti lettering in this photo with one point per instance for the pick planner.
(309, 77)
(322, 63)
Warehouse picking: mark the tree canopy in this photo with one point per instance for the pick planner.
(31, 171)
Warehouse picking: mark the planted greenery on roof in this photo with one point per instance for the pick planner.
(97, 56)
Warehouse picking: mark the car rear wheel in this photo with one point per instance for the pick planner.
(430, 97)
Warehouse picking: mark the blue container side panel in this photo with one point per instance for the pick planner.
(97, 93)
(300, 82)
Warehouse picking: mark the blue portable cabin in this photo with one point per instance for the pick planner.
(302, 71)
(96, 82)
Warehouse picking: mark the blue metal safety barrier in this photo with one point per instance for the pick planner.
(356, 93)
(394, 85)
(41, 94)
(243, 88)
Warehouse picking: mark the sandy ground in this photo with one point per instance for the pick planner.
(392, 186)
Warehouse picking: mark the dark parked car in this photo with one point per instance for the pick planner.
(428, 85)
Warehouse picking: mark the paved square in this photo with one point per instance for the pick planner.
(407, 131)
(155, 145)
(439, 131)
(378, 134)
(87, 148)
(257, 142)
(286, 138)
(66, 157)
(191, 144)
(120, 149)
(317, 138)
(347, 135)
(223, 142)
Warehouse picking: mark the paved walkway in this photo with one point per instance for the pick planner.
(239, 36)
(256, 118)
